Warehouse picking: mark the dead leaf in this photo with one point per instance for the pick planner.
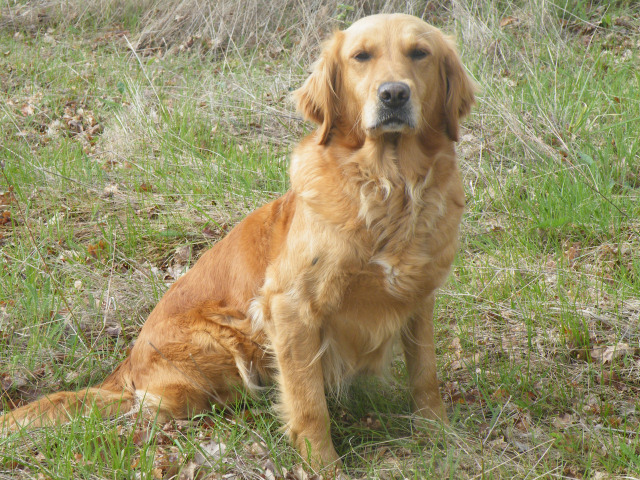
(456, 346)
(297, 473)
(607, 354)
(270, 471)
(466, 362)
(94, 129)
(371, 423)
(500, 394)
(27, 109)
(523, 421)
(210, 454)
(95, 250)
(505, 21)
(258, 449)
(562, 421)
(182, 254)
(5, 218)
(142, 436)
(473, 396)
(49, 39)
(572, 471)
(113, 331)
(611, 378)
(210, 232)
(592, 405)
(572, 253)
(110, 190)
(614, 421)
(7, 198)
(188, 472)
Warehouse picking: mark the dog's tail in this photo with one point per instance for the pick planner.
(112, 397)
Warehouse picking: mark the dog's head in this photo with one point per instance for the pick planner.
(387, 74)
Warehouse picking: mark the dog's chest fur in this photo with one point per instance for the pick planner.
(399, 217)
(387, 215)
(379, 222)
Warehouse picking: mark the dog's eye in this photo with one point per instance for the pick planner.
(362, 56)
(417, 54)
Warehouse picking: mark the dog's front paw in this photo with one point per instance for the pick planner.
(318, 452)
(431, 407)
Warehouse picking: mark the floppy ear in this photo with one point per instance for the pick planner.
(460, 89)
(317, 98)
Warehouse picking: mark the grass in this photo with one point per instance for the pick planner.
(120, 165)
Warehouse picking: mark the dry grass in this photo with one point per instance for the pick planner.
(293, 26)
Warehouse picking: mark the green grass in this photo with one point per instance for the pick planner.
(188, 143)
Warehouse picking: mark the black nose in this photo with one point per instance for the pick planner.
(394, 94)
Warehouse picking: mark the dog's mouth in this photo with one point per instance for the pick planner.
(393, 120)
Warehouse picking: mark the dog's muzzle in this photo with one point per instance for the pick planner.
(394, 109)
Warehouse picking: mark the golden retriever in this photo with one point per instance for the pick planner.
(315, 287)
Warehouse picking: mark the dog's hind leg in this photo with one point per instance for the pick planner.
(206, 356)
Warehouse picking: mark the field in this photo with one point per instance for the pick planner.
(134, 134)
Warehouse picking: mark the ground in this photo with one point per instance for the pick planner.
(133, 136)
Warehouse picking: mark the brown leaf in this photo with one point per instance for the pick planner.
(523, 421)
(94, 129)
(211, 453)
(97, 249)
(190, 471)
(500, 394)
(27, 109)
(371, 423)
(113, 331)
(562, 421)
(210, 232)
(7, 198)
(75, 126)
(110, 190)
(157, 473)
(182, 254)
(452, 390)
(5, 218)
(505, 21)
(624, 22)
(297, 473)
(456, 346)
(607, 354)
(614, 421)
(473, 396)
(611, 378)
(572, 471)
(142, 436)
(572, 253)
(466, 362)
(270, 471)
(259, 449)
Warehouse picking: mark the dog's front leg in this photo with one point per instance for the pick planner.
(420, 357)
(297, 346)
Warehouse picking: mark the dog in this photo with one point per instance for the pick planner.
(316, 286)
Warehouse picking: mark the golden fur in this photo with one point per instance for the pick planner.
(316, 286)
